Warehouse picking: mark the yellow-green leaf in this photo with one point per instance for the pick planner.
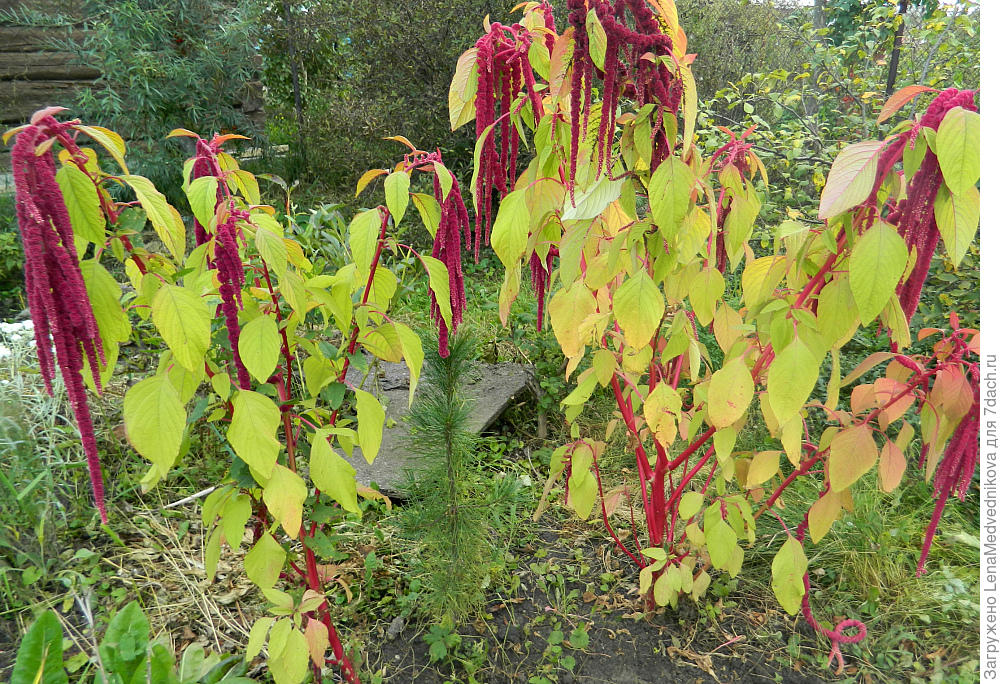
(957, 218)
(284, 494)
(260, 344)
(154, 420)
(787, 569)
(413, 353)
(730, 392)
(850, 179)
(166, 221)
(185, 323)
(363, 238)
(264, 561)
(958, 149)
(82, 203)
(437, 275)
(852, 454)
(670, 194)
(567, 310)
(397, 194)
(638, 308)
(251, 433)
(706, 289)
(202, 194)
(371, 420)
(876, 265)
(509, 236)
(763, 467)
(461, 105)
(790, 380)
(333, 474)
(761, 277)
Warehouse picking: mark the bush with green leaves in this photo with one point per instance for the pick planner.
(126, 654)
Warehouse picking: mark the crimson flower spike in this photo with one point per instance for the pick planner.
(504, 71)
(66, 332)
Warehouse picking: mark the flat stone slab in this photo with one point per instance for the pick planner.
(490, 389)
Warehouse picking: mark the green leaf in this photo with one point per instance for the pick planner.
(284, 494)
(332, 474)
(258, 633)
(260, 344)
(363, 238)
(202, 194)
(437, 274)
(213, 551)
(739, 227)
(397, 194)
(509, 235)
(371, 420)
(852, 454)
(730, 392)
(761, 277)
(787, 569)
(836, 313)
(413, 353)
(690, 504)
(126, 642)
(185, 323)
(877, 263)
(670, 194)
(706, 289)
(155, 420)
(270, 244)
(638, 308)
(594, 201)
(583, 495)
(166, 221)
(291, 664)
(791, 379)
(850, 179)
(235, 515)
(255, 420)
(40, 655)
(958, 149)
(957, 218)
(597, 39)
(264, 561)
(429, 210)
(567, 310)
(719, 537)
(461, 106)
(82, 203)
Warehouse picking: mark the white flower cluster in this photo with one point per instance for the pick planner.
(16, 337)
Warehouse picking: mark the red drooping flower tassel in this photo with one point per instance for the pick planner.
(954, 473)
(231, 280)
(205, 165)
(913, 216)
(57, 295)
(447, 248)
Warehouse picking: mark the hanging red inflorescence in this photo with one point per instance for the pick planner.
(913, 215)
(205, 164)
(627, 71)
(231, 280)
(504, 69)
(57, 297)
(453, 227)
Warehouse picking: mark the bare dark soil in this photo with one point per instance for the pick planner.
(513, 642)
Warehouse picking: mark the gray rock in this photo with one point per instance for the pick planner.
(490, 390)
